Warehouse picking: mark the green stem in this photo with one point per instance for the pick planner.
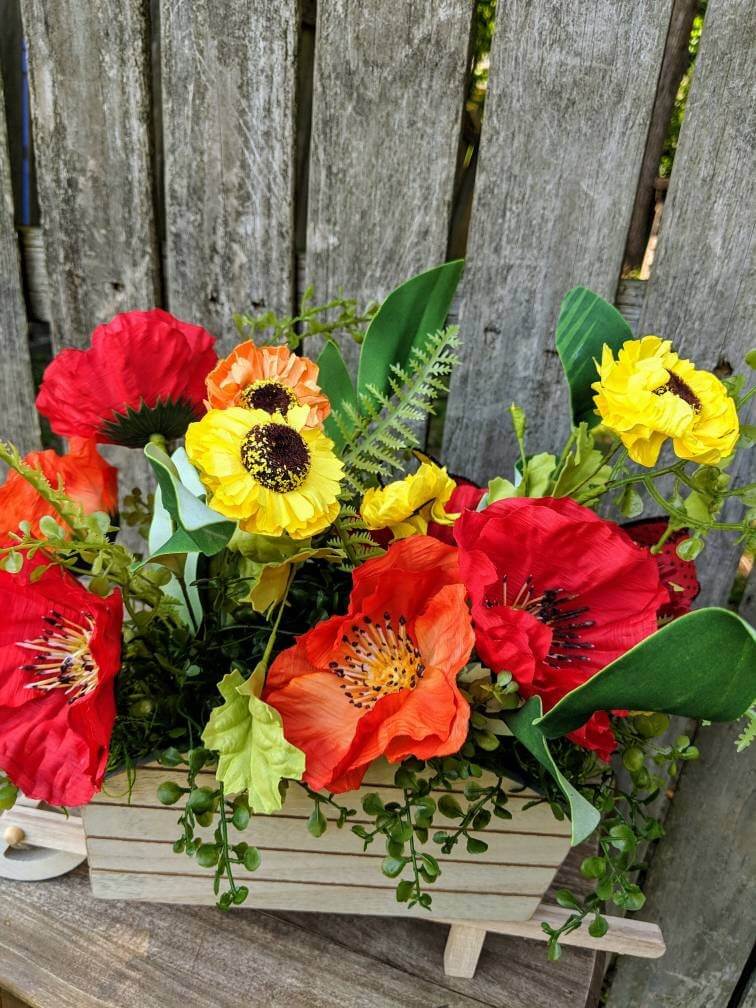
(265, 660)
(413, 851)
(159, 440)
(348, 548)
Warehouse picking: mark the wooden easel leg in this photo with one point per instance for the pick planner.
(463, 947)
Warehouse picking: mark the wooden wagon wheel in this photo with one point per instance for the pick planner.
(38, 844)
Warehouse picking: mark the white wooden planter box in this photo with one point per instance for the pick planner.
(129, 839)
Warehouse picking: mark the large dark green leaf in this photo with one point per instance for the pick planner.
(703, 665)
(196, 528)
(523, 723)
(586, 322)
(335, 381)
(408, 315)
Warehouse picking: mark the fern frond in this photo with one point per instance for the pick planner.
(748, 735)
(84, 526)
(378, 437)
(353, 540)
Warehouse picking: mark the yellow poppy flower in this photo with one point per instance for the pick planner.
(649, 394)
(406, 506)
(270, 472)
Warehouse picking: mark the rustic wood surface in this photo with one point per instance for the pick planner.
(388, 92)
(699, 889)
(568, 107)
(61, 948)
(20, 421)
(228, 86)
(702, 290)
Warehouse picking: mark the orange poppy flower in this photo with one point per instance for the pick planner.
(269, 378)
(85, 475)
(380, 680)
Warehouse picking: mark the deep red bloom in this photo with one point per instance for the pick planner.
(557, 593)
(143, 374)
(60, 650)
(86, 478)
(380, 680)
(466, 497)
(678, 576)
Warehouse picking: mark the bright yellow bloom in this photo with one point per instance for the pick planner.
(270, 472)
(649, 394)
(406, 506)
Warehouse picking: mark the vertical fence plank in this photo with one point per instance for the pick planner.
(702, 290)
(89, 68)
(228, 74)
(20, 424)
(388, 93)
(698, 887)
(570, 97)
(90, 89)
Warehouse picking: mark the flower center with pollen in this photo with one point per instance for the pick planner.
(271, 396)
(63, 657)
(377, 659)
(678, 388)
(553, 607)
(276, 456)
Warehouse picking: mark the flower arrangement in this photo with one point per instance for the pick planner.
(310, 598)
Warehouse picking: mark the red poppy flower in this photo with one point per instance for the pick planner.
(678, 576)
(143, 374)
(557, 593)
(380, 680)
(84, 474)
(465, 497)
(59, 653)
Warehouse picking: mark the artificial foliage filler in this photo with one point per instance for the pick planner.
(315, 593)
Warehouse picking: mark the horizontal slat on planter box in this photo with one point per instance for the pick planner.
(329, 868)
(265, 832)
(352, 899)
(130, 836)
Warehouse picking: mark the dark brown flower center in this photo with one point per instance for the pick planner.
(276, 456)
(377, 659)
(678, 388)
(555, 608)
(271, 396)
(63, 656)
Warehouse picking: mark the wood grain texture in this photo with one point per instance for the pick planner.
(388, 93)
(20, 423)
(89, 70)
(90, 90)
(698, 885)
(702, 290)
(569, 102)
(228, 85)
(60, 946)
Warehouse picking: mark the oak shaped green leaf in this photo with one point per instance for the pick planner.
(247, 734)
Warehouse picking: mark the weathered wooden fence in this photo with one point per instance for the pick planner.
(205, 155)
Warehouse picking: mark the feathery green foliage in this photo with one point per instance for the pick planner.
(353, 540)
(748, 735)
(377, 439)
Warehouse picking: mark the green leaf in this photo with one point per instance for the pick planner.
(586, 322)
(391, 867)
(316, 824)
(538, 472)
(335, 381)
(598, 927)
(415, 310)
(196, 528)
(699, 666)
(523, 722)
(584, 474)
(247, 734)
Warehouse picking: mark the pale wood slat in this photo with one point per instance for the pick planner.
(388, 94)
(305, 896)
(337, 869)
(570, 98)
(160, 824)
(20, 422)
(702, 290)
(228, 90)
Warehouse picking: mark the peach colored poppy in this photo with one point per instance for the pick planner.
(380, 680)
(268, 377)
